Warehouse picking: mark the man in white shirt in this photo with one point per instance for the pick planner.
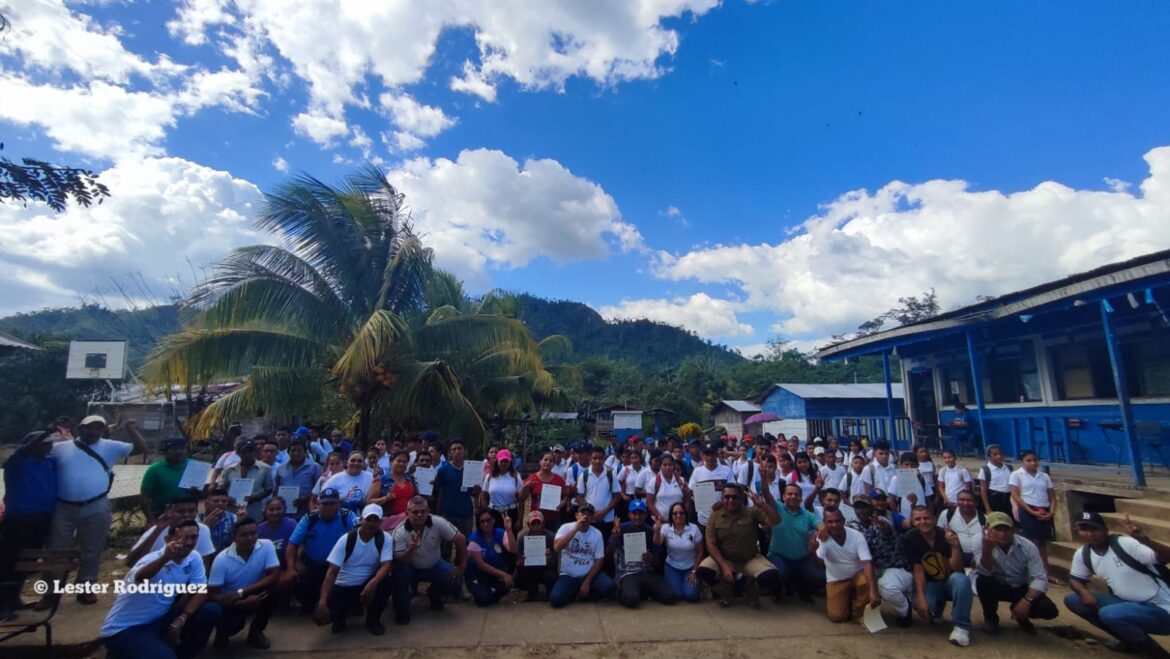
(832, 473)
(1138, 603)
(560, 463)
(710, 471)
(241, 576)
(880, 473)
(850, 584)
(967, 522)
(359, 570)
(85, 473)
(154, 538)
(157, 623)
(598, 486)
(582, 551)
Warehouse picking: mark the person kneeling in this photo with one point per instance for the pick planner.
(636, 577)
(530, 577)
(418, 557)
(161, 623)
(850, 583)
(582, 551)
(359, 569)
(1010, 570)
(733, 546)
(487, 547)
(240, 578)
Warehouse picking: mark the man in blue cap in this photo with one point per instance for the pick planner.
(306, 557)
(636, 578)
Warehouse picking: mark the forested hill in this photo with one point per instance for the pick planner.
(643, 343)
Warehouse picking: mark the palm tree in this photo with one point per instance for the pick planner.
(341, 305)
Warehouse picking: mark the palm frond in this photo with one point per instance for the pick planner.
(196, 354)
(275, 392)
(555, 347)
(370, 346)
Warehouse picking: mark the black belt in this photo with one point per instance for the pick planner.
(86, 502)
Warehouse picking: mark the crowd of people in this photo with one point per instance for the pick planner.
(302, 521)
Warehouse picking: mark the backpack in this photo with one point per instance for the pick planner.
(314, 517)
(950, 517)
(1159, 572)
(608, 472)
(351, 539)
(985, 472)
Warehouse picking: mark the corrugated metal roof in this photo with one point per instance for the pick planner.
(9, 341)
(741, 405)
(867, 390)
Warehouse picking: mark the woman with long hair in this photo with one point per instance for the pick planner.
(684, 552)
(534, 487)
(807, 477)
(394, 488)
(501, 488)
(488, 548)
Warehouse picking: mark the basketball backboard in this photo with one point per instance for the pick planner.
(96, 360)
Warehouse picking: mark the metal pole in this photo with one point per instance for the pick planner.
(889, 399)
(1115, 360)
(973, 357)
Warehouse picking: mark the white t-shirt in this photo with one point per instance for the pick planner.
(353, 489)
(926, 469)
(970, 533)
(502, 490)
(721, 473)
(203, 546)
(740, 469)
(635, 480)
(363, 562)
(856, 483)
(1125, 583)
(843, 561)
(585, 548)
(598, 490)
(226, 460)
(230, 572)
(834, 478)
(774, 486)
(905, 506)
(680, 547)
(666, 493)
(999, 478)
(561, 468)
(1033, 489)
(878, 476)
(79, 476)
(954, 480)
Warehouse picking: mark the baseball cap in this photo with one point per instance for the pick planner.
(36, 437)
(820, 450)
(535, 516)
(329, 495)
(637, 504)
(587, 507)
(710, 448)
(997, 519)
(876, 492)
(1088, 518)
(301, 431)
(558, 449)
(175, 440)
(504, 454)
(94, 418)
(372, 510)
(861, 499)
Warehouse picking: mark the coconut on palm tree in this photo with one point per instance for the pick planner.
(340, 305)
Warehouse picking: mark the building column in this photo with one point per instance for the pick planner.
(973, 358)
(1119, 381)
(893, 431)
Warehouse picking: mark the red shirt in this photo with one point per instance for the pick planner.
(535, 485)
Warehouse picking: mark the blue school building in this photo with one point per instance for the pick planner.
(1077, 369)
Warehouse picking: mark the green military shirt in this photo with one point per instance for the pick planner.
(735, 535)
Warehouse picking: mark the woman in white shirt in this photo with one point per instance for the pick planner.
(927, 471)
(684, 552)
(1032, 494)
(665, 489)
(501, 488)
(952, 479)
(807, 477)
(353, 484)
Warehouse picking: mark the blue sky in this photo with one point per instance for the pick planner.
(745, 170)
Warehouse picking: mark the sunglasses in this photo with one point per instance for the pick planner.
(727, 497)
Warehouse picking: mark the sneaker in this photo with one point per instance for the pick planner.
(904, 621)
(87, 598)
(376, 627)
(960, 637)
(1026, 626)
(991, 627)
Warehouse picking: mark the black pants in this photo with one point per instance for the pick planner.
(634, 588)
(17, 533)
(1001, 502)
(232, 620)
(308, 586)
(530, 579)
(486, 589)
(992, 592)
(343, 598)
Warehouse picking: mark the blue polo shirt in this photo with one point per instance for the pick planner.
(231, 572)
(30, 485)
(133, 609)
(456, 502)
(320, 540)
(790, 536)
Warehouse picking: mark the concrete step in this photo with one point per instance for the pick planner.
(1062, 550)
(1060, 556)
(1153, 508)
(1157, 528)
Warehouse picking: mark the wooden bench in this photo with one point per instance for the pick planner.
(32, 563)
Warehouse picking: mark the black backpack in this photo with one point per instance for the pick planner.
(985, 472)
(351, 539)
(950, 516)
(1159, 571)
(314, 518)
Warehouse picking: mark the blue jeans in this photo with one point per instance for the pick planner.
(1129, 622)
(148, 640)
(957, 589)
(679, 584)
(566, 587)
(802, 573)
(406, 578)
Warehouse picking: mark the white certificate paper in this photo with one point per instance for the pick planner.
(472, 474)
(635, 546)
(424, 477)
(550, 496)
(705, 496)
(290, 494)
(534, 548)
(873, 619)
(195, 475)
(908, 484)
(240, 489)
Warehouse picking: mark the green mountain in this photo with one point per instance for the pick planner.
(642, 343)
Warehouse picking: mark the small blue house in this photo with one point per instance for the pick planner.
(1076, 369)
(820, 410)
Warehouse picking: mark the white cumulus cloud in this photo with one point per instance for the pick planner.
(864, 250)
(704, 315)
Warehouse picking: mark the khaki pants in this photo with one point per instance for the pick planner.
(847, 598)
(752, 570)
